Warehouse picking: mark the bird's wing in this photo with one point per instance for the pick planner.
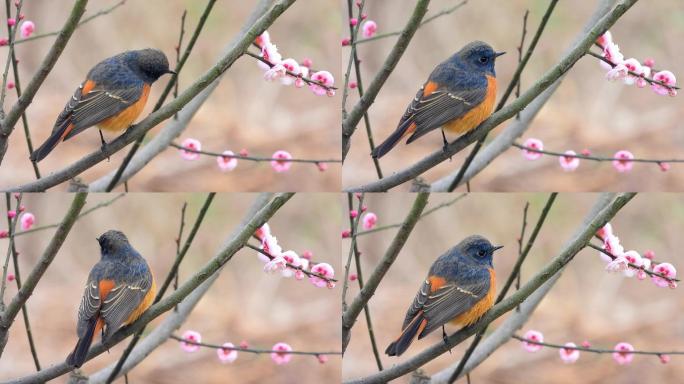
(122, 300)
(435, 106)
(446, 300)
(90, 304)
(92, 103)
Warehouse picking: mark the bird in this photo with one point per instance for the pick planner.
(458, 95)
(112, 96)
(460, 288)
(119, 290)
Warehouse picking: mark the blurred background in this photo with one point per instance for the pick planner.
(244, 111)
(243, 304)
(586, 303)
(587, 111)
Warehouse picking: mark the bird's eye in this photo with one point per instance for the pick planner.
(483, 59)
(481, 253)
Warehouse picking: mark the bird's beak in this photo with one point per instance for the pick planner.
(497, 54)
(497, 247)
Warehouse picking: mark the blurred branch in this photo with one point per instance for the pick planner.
(503, 140)
(596, 350)
(236, 243)
(172, 84)
(137, 130)
(504, 113)
(17, 82)
(8, 315)
(515, 274)
(441, 13)
(173, 272)
(596, 158)
(427, 212)
(350, 122)
(12, 34)
(85, 212)
(350, 314)
(11, 229)
(576, 244)
(254, 158)
(8, 121)
(253, 350)
(99, 13)
(513, 84)
(17, 275)
(161, 333)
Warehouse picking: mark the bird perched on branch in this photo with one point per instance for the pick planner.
(460, 288)
(458, 96)
(112, 96)
(120, 288)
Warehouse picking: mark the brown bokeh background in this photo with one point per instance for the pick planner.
(243, 112)
(243, 304)
(585, 112)
(586, 303)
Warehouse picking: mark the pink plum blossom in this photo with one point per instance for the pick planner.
(27, 28)
(278, 263)
(664, 269)
(262, 231)
(270, 53)
(324, 270)
(11, 214)
(10, 277)
(619, 264)
(346, 233)
(632, 65)
(227, 162)
(569, 355)
(645, 73)
(27, 220)
(323, 77)
(322, 166)
(612, 53)
(227, 354)
(292, 258)
(533, 143)
(664, 166)
(616, 73)
(193, 144)
(649, 254)
(352, 84)
(533, 335)
(264, 38)
(353, 21)
(606, 230)
(353, 277)
(622, 161)
(324, 359)
(632, 257)
(369, 220)
(586, 344)
(645, 266)
(611, 244)
(569, 162)
(353, 213)
(281, 356)
(269, 244)
(244, 344)
(307, 255)
(664, 358)
(624, 356)
(369, 28)
(10, 85)
(299, 81)
(281, 165)
(604, 39)
(665, 77)
(292, 66)
(275, 72)
(244, 152)
(306, 62)
(303, 265)
(193, 336)
(346, 41)
(11, 22)
(4, 233)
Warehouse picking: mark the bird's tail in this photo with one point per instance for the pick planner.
(392, 140)
(80, 352)
(401, 344)
(50, 144)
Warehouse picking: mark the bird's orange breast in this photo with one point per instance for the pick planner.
(473, 314)
(475, 116)
(125, 118)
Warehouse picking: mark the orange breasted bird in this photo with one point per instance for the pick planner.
(460, 288)
(112, 96)
(458, 96)
(120, 288)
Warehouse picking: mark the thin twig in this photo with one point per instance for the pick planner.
(254, 158)
(178, 47)
(253, 350)
(427, 212)
(11, 229)
(12, 33)
(347, 266)
(165, 93)
(596, 158)
(425, 21)
(597, 350)
(101, 12)
(85, 212)
(178, 245)
(515, 82)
